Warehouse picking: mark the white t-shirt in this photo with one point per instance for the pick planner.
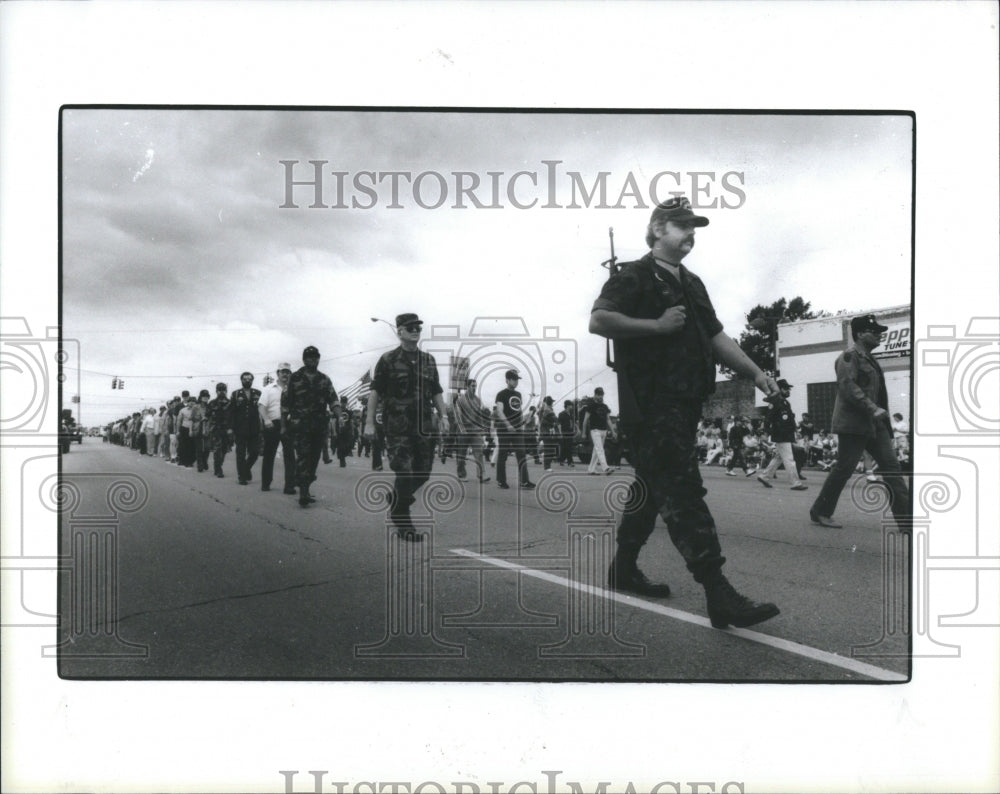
(270, 402)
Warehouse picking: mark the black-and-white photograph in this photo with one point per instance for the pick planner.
(486, 395)
(499, 397)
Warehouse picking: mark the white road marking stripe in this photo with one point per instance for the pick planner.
(808, 652)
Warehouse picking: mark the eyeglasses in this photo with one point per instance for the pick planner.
(414, 328)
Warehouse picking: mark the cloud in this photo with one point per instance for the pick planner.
(145, 166)
(178, 258)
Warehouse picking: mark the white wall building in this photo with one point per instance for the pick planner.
(807, 350)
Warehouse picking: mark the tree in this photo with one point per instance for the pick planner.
(757, 341)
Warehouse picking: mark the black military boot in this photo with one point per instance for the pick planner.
(304, 496)
(404, 525)
(727, 607)
(624, 576)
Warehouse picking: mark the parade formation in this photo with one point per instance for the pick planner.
(667, 343)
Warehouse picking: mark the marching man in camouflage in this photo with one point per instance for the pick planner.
(305, 402)
(667, 342)
(405, 388)
(217, 427)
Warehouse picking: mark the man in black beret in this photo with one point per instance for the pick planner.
(861, 422)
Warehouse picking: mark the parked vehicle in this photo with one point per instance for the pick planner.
(68, 434)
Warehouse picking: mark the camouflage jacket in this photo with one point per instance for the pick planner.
(217, 416)
(306, 401)
(406, 384)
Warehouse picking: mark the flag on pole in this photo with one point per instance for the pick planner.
(459, 367)
(360, 388)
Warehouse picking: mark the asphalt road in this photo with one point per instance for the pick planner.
(177, 574)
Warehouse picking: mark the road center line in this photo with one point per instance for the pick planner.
(788, 646)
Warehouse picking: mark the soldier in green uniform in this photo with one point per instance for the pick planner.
(405, 387)
(667, 342)
(217, 427)
(305, 402)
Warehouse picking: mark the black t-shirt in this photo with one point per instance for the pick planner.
(510, 400)
(598, 414)
(566, 423)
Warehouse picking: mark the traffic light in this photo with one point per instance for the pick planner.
(114, 383)
(121, 383)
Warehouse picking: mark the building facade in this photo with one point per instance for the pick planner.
(808, 349)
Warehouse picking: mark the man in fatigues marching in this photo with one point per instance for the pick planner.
(405, 387)
(667, 342)
(217, 427)
(305, 403)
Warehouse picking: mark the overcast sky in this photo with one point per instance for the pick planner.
(181, 268)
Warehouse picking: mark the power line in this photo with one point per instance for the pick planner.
(218, 375)
(131, 331)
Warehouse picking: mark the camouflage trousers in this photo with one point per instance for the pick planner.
(219, 444)
(411, 458)
(309, 446)
(668, 483)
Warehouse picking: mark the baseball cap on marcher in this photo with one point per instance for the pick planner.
(678, 209)
(784, 384)
(310, 351)
(512, 373)
(867, 322)
(284, 366)
(406, 319)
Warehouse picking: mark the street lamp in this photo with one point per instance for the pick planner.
(380, 320)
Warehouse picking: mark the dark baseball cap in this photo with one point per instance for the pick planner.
(784, 384)
(221, 387)
(310, 351)
(867, 322)
(512, 373)
(548, 401)
(406, 319)
(677, 208)
(599, 391)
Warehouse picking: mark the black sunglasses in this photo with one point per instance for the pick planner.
(414, 328)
